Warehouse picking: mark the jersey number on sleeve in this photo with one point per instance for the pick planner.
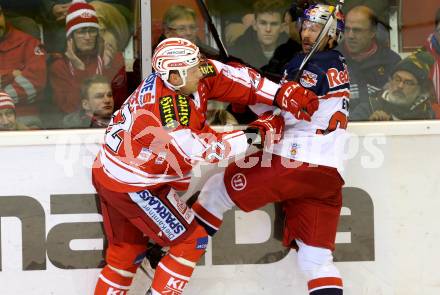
(112, 138)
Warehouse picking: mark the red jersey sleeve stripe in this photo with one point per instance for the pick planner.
(206, 216)
(342, 93)
(324, 282)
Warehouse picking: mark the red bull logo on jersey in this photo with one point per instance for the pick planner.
(308, 79)
(337, 78)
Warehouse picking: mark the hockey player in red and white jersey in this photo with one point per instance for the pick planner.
(151, 145)
(302, 170)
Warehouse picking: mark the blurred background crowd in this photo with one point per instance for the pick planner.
(70, 64)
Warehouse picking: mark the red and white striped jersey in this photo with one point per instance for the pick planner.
(158, 135)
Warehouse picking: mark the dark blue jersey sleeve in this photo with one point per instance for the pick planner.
(325, 72)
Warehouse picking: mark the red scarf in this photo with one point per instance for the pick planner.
(362, 55)
(98, 67)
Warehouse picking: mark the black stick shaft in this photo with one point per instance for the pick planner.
(211, 27)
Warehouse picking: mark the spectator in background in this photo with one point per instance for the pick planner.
(22, 71)
(53, 20)
(408, 94)
(282, 54)
(54, 14)
(85, 56)
(257, 45)
(381, 9)
(8, 120)
(369, 63)
(432, 45)
(22, 14)
(96, 105)
(237, 16)
(111, 19)
(285, 52)
(181, 21)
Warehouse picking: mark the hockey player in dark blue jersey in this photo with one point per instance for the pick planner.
(310, 189)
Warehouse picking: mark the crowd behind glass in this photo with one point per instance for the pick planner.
(63, 69)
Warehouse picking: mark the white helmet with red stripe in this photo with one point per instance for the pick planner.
(175, 54)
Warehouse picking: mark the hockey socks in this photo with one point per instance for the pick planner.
(212, 203)
(113, 282)
(171, 276)
(325, 286)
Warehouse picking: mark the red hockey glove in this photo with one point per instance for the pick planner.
(270, 127)
(297, 100)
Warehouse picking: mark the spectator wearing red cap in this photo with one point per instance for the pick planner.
(115, 15)
(8, 121)
(85, 56)
(22, 71)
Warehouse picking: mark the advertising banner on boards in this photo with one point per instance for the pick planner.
(52, 240)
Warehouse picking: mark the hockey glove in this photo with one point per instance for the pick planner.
(297, 100)
(269, 126)
(154, 254)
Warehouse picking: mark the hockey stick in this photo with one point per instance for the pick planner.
(278, 223)
(322, 34)
(211, 27)
(252, 135)
(318, 41)
(224, 56)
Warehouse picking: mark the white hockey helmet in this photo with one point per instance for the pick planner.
(320, 13)
(175, 54)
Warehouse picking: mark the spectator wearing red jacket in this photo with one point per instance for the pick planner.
(86, 55)
(8, 119)
(22, 71)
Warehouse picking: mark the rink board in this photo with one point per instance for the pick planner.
(51, 236)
